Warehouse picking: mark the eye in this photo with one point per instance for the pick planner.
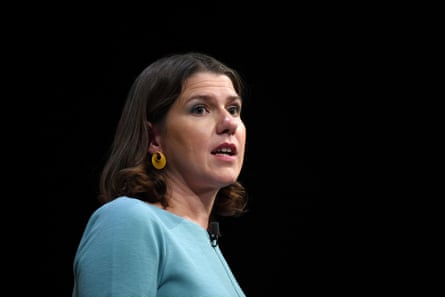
(198, 109)
(234, 109)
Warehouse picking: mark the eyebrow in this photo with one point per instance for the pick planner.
(209, 97)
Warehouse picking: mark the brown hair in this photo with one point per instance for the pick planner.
(128, 172)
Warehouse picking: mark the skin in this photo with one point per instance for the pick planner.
(205, 116)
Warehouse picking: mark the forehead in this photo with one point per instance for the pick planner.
(207, 80)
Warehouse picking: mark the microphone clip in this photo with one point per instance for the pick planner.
(214, 233)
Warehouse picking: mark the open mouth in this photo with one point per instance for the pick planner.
(225, 150)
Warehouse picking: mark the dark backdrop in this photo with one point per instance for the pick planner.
(292, 64)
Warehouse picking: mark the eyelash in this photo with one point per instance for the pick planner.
(237, 109)
(200, 108)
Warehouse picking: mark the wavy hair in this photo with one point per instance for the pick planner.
(127, 171)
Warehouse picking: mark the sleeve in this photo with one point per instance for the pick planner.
(118, 254)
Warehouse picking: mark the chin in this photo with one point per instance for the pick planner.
(228, 182)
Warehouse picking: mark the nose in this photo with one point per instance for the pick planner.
(227, 124)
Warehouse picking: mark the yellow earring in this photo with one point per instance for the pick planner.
(158, 160)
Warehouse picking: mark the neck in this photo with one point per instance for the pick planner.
(195, 205)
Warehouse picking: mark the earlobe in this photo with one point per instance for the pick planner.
(153, 147)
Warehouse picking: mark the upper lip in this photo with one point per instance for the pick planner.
(228, 148)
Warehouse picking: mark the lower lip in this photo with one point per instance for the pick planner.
(224, 157)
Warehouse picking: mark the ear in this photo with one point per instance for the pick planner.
(154, 138)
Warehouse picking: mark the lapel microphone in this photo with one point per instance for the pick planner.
(214, 233)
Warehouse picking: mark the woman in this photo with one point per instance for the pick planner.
(173, 169)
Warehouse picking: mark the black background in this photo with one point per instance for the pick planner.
(295, 63)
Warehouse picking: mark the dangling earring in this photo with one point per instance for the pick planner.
(158, 160)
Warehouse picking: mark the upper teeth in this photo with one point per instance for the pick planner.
(224, 150)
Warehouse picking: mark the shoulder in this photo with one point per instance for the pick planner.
(124, 206)
(125, 211)
(132, 216)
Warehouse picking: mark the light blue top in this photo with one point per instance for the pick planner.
(132, 249)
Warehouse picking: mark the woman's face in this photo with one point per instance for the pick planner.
(203, 136)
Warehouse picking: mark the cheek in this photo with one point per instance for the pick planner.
(187, 137)
(242, 134)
